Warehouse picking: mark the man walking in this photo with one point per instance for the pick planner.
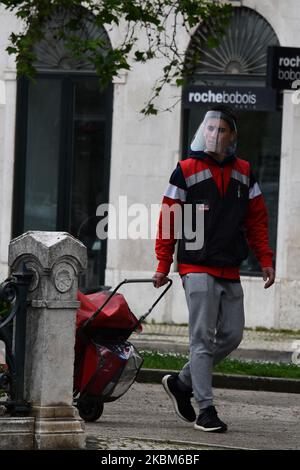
(215, 181)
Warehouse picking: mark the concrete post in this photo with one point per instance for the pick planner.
(56, 259)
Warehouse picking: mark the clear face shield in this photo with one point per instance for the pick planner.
(217, 134)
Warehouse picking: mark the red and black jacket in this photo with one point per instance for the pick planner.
(235, 216)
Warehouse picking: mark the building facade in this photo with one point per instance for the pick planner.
(91, 148)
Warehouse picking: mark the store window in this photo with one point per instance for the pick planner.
(234, 69)
(63, 150)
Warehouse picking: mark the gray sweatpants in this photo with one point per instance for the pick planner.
(216, 323)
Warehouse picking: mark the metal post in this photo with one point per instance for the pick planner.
(23, 280)
(14, 290)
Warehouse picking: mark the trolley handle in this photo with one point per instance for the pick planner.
(129, 281)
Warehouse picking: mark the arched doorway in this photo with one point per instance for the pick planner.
(237, 68)
(63, 146)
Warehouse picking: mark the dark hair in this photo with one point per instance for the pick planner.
(227, 113)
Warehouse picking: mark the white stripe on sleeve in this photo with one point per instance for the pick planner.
(254, 191)
(173, 192)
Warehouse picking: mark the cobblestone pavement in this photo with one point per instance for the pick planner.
(131, 443)
(267, 340)
(144, 416)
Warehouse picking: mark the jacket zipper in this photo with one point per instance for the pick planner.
(222, 176)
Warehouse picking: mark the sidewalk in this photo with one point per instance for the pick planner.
(144, 419)
(270, 345)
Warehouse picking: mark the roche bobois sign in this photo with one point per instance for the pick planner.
(244, 98)
(283, 67)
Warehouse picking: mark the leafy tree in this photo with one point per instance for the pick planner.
(149, 30)
(4, 308)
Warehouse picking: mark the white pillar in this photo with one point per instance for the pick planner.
(288, 238)
(7, 150)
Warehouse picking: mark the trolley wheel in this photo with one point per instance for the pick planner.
(90, 408)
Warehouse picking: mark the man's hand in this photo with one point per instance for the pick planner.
(269, 276)
(159, 279)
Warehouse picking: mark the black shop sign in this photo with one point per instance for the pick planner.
(239, 98)
(283, 67)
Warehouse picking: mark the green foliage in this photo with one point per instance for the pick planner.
(5, 308)
(263, 369)
(143, 30)
(157, 360)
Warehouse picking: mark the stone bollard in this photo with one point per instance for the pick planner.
(56, 258)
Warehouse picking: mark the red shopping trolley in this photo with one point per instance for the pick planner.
(106, 363)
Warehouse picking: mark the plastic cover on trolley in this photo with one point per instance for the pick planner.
(108, 369)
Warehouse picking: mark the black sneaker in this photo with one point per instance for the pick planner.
(208, 421)
(181, 400)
